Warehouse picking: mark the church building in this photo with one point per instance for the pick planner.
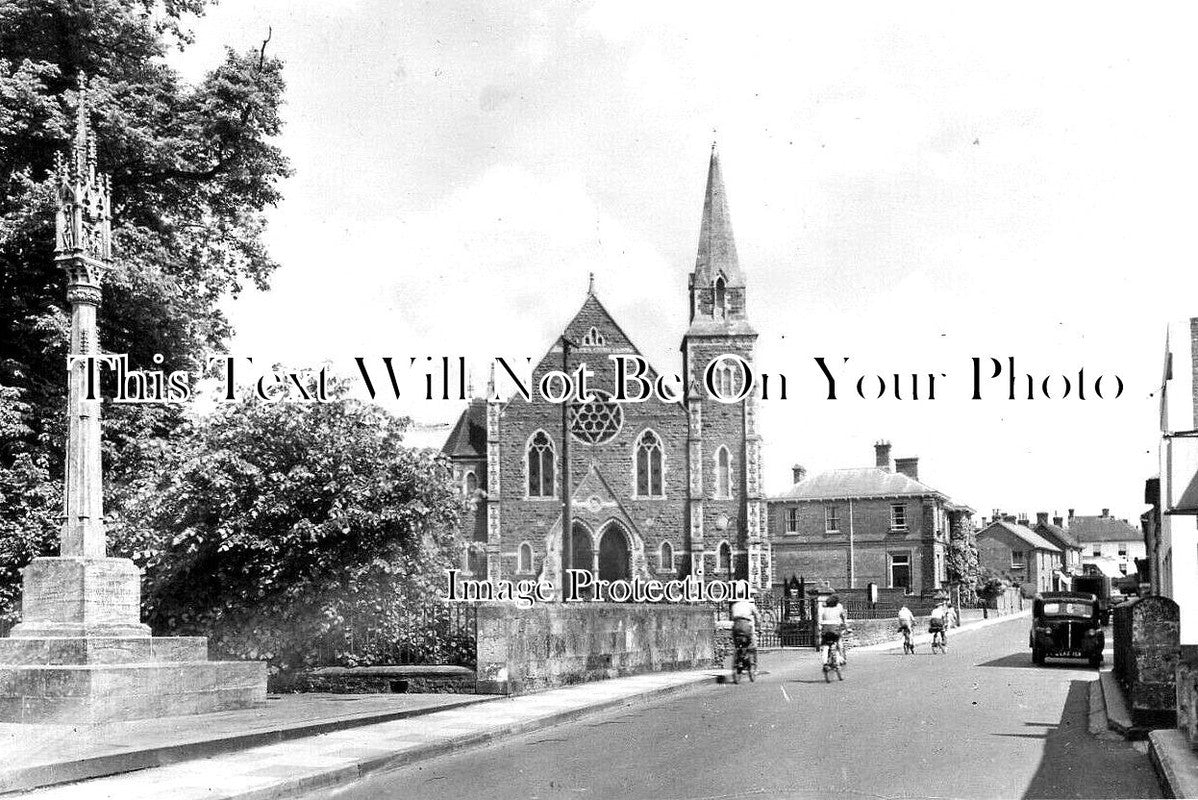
(657, 489)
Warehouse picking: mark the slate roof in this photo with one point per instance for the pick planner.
(468, 439)
(1026, 534)
(1057, 533)
(1103, 529)
(858, 482)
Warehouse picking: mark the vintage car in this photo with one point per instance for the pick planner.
(1067, 625)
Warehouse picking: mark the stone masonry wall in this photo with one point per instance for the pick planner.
(550, 645)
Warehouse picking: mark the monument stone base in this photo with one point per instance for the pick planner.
(81, 655)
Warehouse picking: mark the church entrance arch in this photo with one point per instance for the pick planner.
(615, 561)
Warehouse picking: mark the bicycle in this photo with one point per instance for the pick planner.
(836, 660)
(939, 641)
(908, 641)
(744, 660)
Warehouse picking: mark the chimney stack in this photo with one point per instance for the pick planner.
(799, 472)
(882, 452)
(1071, 513)
(1106, 512)
(908, 467)
(1058, 522)
(1041, 517)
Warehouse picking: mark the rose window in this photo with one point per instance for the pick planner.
(598, 420)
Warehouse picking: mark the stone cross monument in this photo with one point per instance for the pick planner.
(81, 652)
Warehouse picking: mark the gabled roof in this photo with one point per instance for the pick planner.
(859, 482)
(468, 439)
(1058, 534)
(1022, 532)
(1103, 529)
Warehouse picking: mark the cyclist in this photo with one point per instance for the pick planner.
(938, 623)
(832, 621)
(744, 622)
(906, 623)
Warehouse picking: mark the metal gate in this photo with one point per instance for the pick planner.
(788, 621)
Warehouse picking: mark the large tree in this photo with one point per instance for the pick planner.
(193, 170)
(277, 529)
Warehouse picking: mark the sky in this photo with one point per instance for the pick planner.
(911, 186)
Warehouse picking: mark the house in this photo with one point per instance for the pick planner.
(1058, 534)
(659, 488)
(1107, 537)
(1019, 554)
(853, 527)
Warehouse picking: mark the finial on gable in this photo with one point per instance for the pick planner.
(591, 284)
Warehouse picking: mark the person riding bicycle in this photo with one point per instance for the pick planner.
(744, 623)
(938, 623)
(906, 622)
(832, 621)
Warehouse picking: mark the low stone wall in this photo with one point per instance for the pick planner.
(876, 631)
(524, 650)
(1187, 692)
(388, 680)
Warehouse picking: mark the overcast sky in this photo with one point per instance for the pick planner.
(911, 185)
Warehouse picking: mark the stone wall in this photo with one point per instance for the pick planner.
(549, 645)
(387, 680)
(1187, 692)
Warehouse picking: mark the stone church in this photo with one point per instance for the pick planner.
(658, 489)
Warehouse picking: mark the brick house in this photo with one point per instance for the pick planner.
(1107, 537)
(1056, 533)
(1019, 554)
(658, 489)
(853, 527)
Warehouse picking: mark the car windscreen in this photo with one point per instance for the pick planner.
(1068, 609)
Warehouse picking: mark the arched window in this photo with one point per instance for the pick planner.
(723, 557)
(648, 466)
(665, 559)
(723, 473)
(721, 298)
(470, 484)
(594, 338)
(726, 382)
(540, 465)
(524, 560)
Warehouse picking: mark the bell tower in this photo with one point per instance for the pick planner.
(726, 504)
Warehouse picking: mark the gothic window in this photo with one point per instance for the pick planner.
(470, 483)
(524, 559)
(723, 473)
(594, 338)
(598, 420)
(723, 557)
(725, 380)
(649, 466)
(665, 561)
(540, 465)
(721, 298)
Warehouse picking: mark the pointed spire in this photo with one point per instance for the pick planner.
(717, 247)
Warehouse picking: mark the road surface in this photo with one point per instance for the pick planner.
(980, 721)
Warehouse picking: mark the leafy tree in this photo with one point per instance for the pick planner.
(193, 170)
(275, 528)
(991, 584)
(962, 560)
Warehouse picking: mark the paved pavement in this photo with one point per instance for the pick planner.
(981, 721)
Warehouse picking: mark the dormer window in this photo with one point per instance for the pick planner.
(594, 338)
(720, 308)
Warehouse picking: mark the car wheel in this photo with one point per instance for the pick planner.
(1037, 655)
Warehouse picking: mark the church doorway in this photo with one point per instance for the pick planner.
(614, 557)
(583, 556)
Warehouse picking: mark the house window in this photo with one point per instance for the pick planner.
(832, 519)
(1123, 568)
(1123, 549)
(792, 520)
(900, 570)
(723, 473)
(540, 465)
(524, 560)
(723, 557)
(648, 466)
(665, 559)
(1016, 559)
(1097, 550)
(471, 483)
(898, 517)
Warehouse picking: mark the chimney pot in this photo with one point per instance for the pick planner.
(1057, 521)
(1041, 517)
(908, 467)
(799, 472)
(882, 454)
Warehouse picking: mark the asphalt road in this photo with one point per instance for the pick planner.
(980, 721)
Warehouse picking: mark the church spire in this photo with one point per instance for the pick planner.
(717, 286)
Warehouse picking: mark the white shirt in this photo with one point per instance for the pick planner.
(906, 616)
(939, 612)
(831, 615)
(743, 609)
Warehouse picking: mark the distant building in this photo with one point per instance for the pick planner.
(1058, 534)
(1106, 537)
(1019, 554)
(853, 527)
